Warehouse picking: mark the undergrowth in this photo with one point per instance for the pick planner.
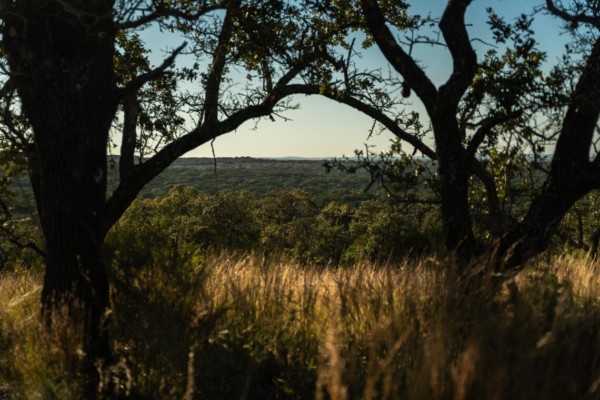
(189, 326)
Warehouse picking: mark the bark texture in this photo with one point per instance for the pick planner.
(61, 58)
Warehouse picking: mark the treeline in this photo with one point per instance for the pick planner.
(290, 224)
(207, 175)
(283, 223)
(299, 226)
(256, 175)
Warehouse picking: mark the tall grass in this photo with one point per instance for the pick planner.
(241, 327)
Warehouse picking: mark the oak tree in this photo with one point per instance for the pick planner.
(498, 103)
(78, 78)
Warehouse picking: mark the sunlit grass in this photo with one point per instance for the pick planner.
(241, 327)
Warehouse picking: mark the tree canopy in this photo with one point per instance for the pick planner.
(494, 110)
(78, 80)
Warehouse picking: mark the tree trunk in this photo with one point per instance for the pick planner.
(594, 245)
(454, 191)
(572, 175)
(454, 172)
(532, 235)
(70, 209)
(60, 55)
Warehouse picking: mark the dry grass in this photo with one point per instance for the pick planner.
(35, 363)
(236, 327)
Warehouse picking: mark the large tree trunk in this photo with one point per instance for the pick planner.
(60, 55)
(454, 192)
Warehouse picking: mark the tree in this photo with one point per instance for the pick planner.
(501, 102)
(78, 76)
(575, 166)
(383, 231)
(287, 221)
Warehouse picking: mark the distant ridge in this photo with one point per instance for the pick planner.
(256, 175)
(250, 158)
(210, 160)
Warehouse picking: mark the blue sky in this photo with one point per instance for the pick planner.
(322, 128)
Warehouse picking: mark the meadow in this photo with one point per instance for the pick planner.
(239, 326)
(292, 294)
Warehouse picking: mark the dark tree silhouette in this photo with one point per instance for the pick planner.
(77, 75)
(481, 100)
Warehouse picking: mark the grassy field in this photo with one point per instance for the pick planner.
(239, 327)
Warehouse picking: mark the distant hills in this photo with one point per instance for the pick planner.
(256, 175)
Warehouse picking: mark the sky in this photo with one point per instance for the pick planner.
(322, 128)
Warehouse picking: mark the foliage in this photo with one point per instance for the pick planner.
(385, 231)
(288, 218)
(291, 225)
(580, 231)
(401, 175)
(20, 241)
(232, 326)
(332, 233)
(497, 109)
(282, 223)
(260, 176)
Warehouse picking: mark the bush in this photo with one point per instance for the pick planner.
(385, 231)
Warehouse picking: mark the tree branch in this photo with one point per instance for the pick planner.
(373, 112)
(15, 240)
(491, 191)
(165, 12)
(215, 75)
(136, 83)
(464, 59)
(485, 128)
(574, 18)
(404, 64)
(8, 87)
(136, 177)
(579, 124)
(131, 108)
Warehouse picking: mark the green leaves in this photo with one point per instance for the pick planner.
(131, 57)
(159, 118)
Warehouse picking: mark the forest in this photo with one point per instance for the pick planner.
(458, 263)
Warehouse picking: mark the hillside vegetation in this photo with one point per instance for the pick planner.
(236, 295)
(468, 270)
(258, 176)
(254, 175)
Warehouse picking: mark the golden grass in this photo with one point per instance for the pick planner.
(239, 327)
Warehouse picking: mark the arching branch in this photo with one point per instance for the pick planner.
(464, 59)
(574, 18)
(396, 56)
(134, 179)
(136, 83)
